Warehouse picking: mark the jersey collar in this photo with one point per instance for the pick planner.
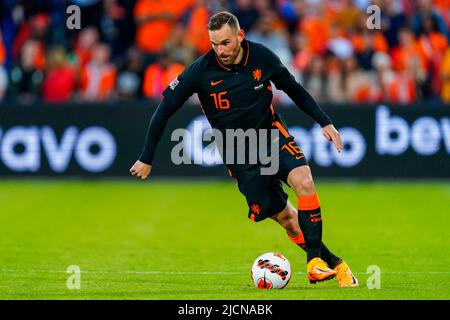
(243, 63)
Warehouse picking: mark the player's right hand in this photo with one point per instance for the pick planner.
(140, 170)
(331, 133)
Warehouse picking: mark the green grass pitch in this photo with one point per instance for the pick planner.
(193, 240)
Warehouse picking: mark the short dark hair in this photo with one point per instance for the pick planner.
(217, 21)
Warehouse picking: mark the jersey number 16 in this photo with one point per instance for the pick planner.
(219, 101)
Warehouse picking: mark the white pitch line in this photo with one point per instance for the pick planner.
(188, 272)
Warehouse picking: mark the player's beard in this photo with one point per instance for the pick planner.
(230, 59)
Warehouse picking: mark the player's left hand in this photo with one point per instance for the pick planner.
(330, 132)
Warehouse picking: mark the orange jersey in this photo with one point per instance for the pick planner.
(98, 83)
(156, 79)
(379, 42)
(445, 71)
(400, 56)
(317, 32)
(152, 35)
(2, 51)
(197, 33)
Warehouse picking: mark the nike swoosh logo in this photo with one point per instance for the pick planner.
(214, 83)
(299, 157)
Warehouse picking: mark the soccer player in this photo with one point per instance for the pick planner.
(233, 83)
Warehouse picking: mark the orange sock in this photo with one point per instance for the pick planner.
(298, 240)
(307, 203)
(310, 221)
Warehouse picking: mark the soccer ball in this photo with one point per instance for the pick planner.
(271, 271)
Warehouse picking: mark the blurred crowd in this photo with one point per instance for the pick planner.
(132, 49)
